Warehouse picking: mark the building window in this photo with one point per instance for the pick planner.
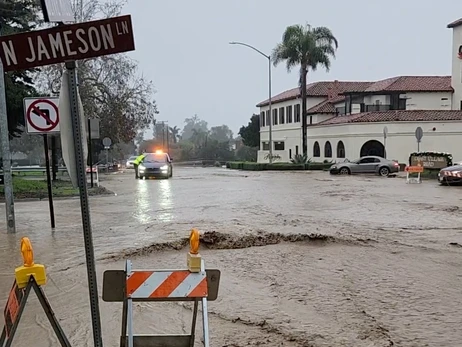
(275, 116)
(289, 114)
(268, 118)
(262, 119)
(279, 146)
(461, 104)
(281, 116)
(290, 153)
(327, 150)
(316, 150)
(297, 113)
(265, 146)
(340, 150)
(296, 150)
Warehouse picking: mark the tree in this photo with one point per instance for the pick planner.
(221, 133)
(110, 87)
(251, 133)
(175, 132)
(308, 47)
(18, 16)
(193, 123)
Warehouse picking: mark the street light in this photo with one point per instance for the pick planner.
(269, 99)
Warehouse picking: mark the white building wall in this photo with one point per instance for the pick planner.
(429, 101)
(400, 141)
(289, 133)
(456, 68)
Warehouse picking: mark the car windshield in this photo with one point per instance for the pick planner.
(132, 158)
(156, 158)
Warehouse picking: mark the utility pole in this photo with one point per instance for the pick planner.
(6, 156)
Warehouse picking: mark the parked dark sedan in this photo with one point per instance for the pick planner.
(370, 164)
(157, 164)
(450, 175)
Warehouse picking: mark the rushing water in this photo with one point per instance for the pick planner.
(390, 275)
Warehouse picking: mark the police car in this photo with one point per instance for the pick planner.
(156, 165)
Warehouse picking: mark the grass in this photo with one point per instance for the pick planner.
(37, 189)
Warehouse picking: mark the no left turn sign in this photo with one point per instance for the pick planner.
(41, 115)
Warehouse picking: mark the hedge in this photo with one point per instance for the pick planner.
(251, 166)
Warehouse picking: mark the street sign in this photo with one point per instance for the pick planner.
(41, 115)
(419, 134)
(107, 142)
(57, 11)
(385, 132)
(94, 128)
(67, 42)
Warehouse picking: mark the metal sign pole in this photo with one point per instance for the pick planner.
(50, 191)
(90, 152)
(6, 156)
(84, 204)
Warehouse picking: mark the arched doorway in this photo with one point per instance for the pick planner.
(373, 147)
(340, 150)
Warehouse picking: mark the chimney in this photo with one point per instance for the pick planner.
(333, 90)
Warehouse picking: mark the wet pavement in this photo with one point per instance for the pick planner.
(382, 267)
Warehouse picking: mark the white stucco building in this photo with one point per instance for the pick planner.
(347, 119)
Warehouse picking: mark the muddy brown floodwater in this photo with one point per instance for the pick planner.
(306, 259)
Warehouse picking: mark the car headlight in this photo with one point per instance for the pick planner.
(141, 167)
(164, 168)
(333, 167)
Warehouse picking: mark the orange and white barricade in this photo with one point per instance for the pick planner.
(195, 284)
(418, 169)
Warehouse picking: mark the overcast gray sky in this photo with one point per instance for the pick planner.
(182, 46)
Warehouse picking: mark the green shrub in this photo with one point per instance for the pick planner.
(318, 166)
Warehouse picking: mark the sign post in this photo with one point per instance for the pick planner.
(42, 117)
(93, 133)
(6, 158)
(385, 135)
(107, 142)
(418, 136)
(49, 188)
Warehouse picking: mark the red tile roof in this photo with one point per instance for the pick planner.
(395, 116)
(327, 106)
(456, 23)
(394, 84)
(319, 89)
(412, 84)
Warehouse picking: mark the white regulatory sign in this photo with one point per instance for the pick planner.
(41, 115)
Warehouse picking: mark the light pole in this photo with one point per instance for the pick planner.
(269, 99)
(164, 122)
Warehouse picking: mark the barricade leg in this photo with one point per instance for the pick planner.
(51, 315)
(193, 325)
(128, 270)
(22, 305)
(205, 317)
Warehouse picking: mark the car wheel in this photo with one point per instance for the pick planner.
(344, 171)
(384, 171)
(141, 177)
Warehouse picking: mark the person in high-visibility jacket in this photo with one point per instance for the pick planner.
(137, 163)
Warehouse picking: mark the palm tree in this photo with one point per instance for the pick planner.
(308, 47)
(175, 131)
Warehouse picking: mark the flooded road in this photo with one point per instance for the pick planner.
(382, 265)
